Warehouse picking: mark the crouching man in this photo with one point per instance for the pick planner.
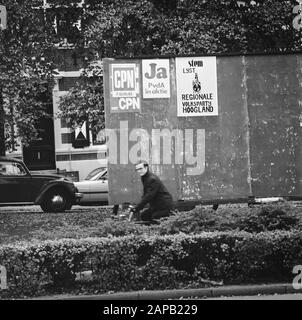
(155, 194)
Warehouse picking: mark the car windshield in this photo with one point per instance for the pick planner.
(99, 176)
(94, 173)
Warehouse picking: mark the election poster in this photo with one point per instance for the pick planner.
(196, 81)
(156, 78)
(124, 87)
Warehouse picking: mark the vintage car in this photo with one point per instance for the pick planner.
(19, 186)
(94, 188)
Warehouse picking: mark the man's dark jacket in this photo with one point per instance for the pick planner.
(155, 193)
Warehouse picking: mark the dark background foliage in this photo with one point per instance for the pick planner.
(120, 28)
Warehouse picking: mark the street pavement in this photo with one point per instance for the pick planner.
(293, 296)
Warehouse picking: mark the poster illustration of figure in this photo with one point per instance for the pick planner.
(196, 84)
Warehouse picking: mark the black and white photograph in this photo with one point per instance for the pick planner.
(150, 153)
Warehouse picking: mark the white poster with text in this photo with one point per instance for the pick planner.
(196, 81)
(156, 78)
(124, 87)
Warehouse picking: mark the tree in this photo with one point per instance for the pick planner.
(269, 27)
(85, 101)
(111, 28)
(160, 27)
(156, 27)
(125, 28)
(26, 71)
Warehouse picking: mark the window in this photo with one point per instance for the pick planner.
(66, 138)
(66, 23)
(94, 174)
(100, 138)
(12, 169)
(103, 177)
(65, 20)
(67, 83)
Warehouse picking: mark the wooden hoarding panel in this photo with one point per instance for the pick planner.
(251, 147)
(273, 106)
(226, 140)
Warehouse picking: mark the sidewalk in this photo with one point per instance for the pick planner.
(287, 296)
(238, 290)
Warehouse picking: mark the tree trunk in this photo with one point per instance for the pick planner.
(2, 137)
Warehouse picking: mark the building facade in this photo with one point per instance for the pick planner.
(57, 150)
(76, 160)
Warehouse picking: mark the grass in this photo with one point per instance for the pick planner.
(31, 223)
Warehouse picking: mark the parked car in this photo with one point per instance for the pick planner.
(18, 185)
(94, 187)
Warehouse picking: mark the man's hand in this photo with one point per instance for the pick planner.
(131, 208)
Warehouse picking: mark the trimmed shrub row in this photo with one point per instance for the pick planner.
(158, 262)
(99, 222)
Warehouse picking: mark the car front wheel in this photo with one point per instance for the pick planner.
(56, 201)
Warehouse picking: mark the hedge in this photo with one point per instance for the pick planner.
(141, 262)
(99, 222)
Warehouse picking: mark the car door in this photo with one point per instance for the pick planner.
(15, 183)
(99, 189)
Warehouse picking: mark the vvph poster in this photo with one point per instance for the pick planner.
(196, 80)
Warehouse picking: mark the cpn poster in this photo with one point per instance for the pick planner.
(156, 78)
(196, 80)
(124, 87)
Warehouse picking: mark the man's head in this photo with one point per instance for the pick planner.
(142, 168)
